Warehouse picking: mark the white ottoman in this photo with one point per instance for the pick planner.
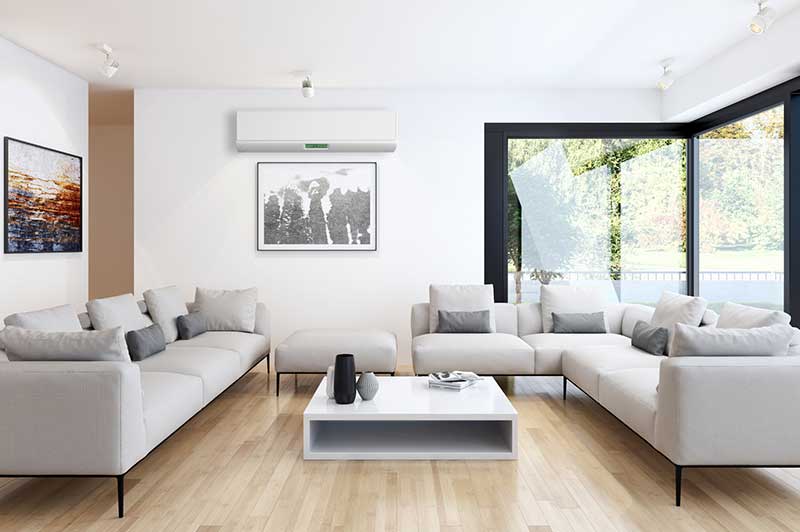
(313, 350)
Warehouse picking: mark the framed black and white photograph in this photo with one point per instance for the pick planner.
(317, 206)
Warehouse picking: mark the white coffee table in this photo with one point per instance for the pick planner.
(407, 420)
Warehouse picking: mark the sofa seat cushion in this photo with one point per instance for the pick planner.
(217, 368)
(584, 366)
(630, 394)
(251, 347)
(488, 354)
(168, 400)
(549, 347)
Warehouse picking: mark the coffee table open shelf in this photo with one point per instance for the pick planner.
(407, 420)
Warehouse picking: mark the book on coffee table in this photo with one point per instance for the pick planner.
(452, 380)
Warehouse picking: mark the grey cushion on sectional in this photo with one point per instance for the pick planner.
(118, 311)
(713, 341)
(165, 305)
(475, 321)
(579, 323)
(191, 325)
(145, 342)
(61, 318)
(650, 339)
(227, 310)
(36, 345)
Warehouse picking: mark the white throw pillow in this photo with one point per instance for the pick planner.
(62, 318)
(165, 305)
(570, 299)
(460, 298)
(674, 308)
(713, 341)
(735, 316)
(227, 310)
(118, 311)
(37, 345)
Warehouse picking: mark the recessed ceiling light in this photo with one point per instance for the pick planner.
(667, 77)
(762, 20)
(110, 65)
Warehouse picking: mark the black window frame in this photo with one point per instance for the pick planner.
(497, 135)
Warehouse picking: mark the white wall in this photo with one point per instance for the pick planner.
(46, 105)
(195, 199)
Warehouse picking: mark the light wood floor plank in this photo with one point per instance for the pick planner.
(238, 466)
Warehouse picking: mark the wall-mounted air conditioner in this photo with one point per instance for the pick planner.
(334, 130)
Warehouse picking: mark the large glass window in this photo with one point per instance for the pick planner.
(741, 212)
(606, 212)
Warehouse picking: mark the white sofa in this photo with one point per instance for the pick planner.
(695, 411)
(100, 419)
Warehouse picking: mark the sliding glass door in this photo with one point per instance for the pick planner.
(608, 212)
(741, 207)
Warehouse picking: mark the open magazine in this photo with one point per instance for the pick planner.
(452, 380)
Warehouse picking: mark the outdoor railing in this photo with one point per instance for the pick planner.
(669, 275)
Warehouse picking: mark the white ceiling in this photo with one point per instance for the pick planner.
(381, 43)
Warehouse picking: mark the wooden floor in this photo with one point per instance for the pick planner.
(239, 465)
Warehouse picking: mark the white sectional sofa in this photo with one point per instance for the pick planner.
(695, 411)
(99, 419)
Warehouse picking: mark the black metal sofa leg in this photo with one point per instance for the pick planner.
(120, 495)
(565, 388)
(678, 471)
(277, 384)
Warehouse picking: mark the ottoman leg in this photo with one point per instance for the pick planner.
(277, 384)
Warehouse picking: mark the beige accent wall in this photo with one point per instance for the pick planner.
(111, 194)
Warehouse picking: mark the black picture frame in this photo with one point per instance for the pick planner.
(6, 247)
(372, 246)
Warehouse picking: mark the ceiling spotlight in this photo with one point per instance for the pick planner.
(308, 87)
(667, 77)
(110, 65)
(762, 20)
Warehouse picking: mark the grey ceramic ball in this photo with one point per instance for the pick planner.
(367, 386)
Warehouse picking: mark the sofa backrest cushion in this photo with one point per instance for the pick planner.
(634, 313)
(570, 299)
(460, 297)
(505, 318)
(118, 311)
(735, 316)
(36, 345)
(227, 310)
(61, 318)
(529, 318)
(714, 341)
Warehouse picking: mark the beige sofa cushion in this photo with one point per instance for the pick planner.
(584, 366)
(630, 394)
(250, 347)
(487, 354)
(460, 298)
(569, 299)
(313, 350)
(549, 347)
(735, 316)
(217, 368)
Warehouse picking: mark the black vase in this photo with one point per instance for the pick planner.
(344, 380)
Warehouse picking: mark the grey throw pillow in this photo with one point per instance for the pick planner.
(569, 323)
(651, 339)
(473, 321)
(227, 310)
(34, 345)
(190, 325)
(145, 342)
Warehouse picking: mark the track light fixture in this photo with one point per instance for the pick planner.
(667, 77)
(308, 87)
(762, 20)
(110, 65)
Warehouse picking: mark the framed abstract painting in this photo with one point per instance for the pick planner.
(317, 206)
(43, 199)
